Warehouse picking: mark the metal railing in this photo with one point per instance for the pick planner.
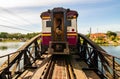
(18, 61)
(107, 66)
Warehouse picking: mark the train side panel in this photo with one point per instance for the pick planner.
(46, 32)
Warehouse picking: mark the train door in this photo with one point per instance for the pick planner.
(59, 29)
(59, 44)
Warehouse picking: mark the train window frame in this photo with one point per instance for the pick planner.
(69, 23)
(48, 23)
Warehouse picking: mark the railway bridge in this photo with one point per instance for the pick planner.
(90, 61)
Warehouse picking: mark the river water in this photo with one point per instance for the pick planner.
(9, 47)
(112, 50)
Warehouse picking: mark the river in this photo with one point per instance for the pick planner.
(9, 47)
(112, 50)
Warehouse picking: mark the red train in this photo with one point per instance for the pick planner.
(59, 30)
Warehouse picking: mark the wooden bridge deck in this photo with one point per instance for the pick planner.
(82, 74)
(77, 68)
(36, 73)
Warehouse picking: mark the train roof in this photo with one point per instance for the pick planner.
(70, 13)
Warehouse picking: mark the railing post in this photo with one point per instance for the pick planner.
(36, 50)
(93, 59)
(26, 59)
(84, 53)
(8, 66)
(8, 60)
(113, 67)
(96, 58)
(8, 72)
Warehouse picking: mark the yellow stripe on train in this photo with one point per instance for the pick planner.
(46, 34)
(46, 17)
(74, 34)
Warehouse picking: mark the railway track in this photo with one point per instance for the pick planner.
(58, 67)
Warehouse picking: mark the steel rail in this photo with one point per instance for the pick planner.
(51, 69)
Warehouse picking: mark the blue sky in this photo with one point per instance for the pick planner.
(99, 15)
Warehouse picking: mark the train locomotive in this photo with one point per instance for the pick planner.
(59, 30)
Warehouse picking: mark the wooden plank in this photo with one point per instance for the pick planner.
(36, 73)
(80, 74)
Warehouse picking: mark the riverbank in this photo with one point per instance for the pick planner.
(10, 41)
(110, 43)
(13, 40)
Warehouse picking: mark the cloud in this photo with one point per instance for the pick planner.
(33, 24)
(31, 9)
(26, 3)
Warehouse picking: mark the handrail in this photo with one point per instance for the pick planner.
(27, 54)
(107, 66)
(94, 45)
(25, 45)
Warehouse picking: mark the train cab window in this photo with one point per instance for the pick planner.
(68, 22)
(48, 24)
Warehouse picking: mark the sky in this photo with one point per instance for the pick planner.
(99, 15)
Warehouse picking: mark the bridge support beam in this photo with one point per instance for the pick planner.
(27, 61)
(37, 50)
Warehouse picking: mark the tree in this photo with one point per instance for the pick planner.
(6, 35)
(3, 35)
(111, 35)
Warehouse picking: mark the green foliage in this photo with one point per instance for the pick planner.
(30, 35)
(88, 35)
(110, 33)
(4, 35)
(111, 38)
(17, 36)
(3, 47)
